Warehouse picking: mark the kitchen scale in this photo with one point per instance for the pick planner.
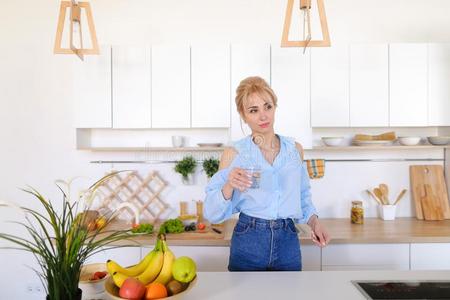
(427, 289)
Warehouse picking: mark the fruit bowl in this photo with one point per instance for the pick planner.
(92, 287)
(112, 291)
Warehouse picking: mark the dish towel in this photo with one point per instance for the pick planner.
(316, 168)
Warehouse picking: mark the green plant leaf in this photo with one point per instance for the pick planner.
(58, 241)
(211, 166)
(186, 166)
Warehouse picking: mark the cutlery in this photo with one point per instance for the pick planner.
(379, 194)
(374, 197)
(400, 196)
(385, 191)
(217, 230)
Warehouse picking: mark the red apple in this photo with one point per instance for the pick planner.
(132, 289)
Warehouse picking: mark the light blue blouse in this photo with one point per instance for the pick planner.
(284, 190)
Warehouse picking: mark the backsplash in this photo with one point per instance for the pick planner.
(348, 174)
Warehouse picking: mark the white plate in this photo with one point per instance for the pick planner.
(372, 143)
(209, 144)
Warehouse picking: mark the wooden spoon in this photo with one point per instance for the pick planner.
(379, 194)
(385, 190)
(374, 197)
(399, 196)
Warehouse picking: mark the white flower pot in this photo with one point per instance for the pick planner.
(189, 180)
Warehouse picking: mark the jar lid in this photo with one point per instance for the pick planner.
(357, 202)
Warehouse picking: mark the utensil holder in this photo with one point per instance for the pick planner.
(387, 212)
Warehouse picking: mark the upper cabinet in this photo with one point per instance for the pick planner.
(92, 90)
(359, 85)
(210, 77)
(290, 82)
(330, 86)
(439, 85)
(408, 89)
(171, 87)
(131, 87)
(246, 60)
(369, 85)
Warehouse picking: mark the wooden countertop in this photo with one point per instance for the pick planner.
(400, 230)
(374, 230)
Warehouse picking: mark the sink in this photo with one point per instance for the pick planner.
(426, 289)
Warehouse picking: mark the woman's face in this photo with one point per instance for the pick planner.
(259, 113)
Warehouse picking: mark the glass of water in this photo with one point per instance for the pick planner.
(255, 173)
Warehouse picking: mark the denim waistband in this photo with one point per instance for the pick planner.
(258, 222)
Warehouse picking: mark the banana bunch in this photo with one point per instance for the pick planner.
(156, 266)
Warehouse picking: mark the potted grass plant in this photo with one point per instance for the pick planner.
(211, 166)
(60, 238)
(186, 167)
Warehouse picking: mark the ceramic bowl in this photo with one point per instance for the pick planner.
(188, 219)
(332, 141)
(112, 291)
(438, 140)
(409, 140)
(92, 287)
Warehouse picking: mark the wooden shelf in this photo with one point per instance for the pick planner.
(219, 149)
(394, 147)
(149, 149)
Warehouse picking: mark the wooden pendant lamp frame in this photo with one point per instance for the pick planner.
(313, 43)
(75, 17)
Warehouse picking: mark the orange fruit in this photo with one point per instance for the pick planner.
(155, 290)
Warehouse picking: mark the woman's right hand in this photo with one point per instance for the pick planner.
(237, 179)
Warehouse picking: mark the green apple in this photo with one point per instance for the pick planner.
(184, 269)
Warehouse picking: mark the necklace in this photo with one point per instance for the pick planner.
(274, 147)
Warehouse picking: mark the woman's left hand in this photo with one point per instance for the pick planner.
(319, 234)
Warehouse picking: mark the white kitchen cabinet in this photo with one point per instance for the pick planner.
(207, 258)
(439, 85)
(125, 256)
(290, 82)
(210, 76)
(131, 87)
(430, 256)
(369, 85)
(365, 257)
(171, 87)
(246, 60)
(408, 88)
(330, 86)
(92, 90)
(311, 256)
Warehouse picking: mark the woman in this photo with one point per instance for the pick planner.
(265, 237)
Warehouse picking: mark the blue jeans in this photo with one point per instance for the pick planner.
(264, 245)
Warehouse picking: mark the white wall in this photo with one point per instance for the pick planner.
(36, 123)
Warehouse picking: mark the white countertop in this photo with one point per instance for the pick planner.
(295, 285)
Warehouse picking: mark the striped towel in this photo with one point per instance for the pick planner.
(316, 168)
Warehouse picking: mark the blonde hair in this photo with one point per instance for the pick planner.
(249, 86)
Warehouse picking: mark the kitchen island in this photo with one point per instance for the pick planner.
(296, 285)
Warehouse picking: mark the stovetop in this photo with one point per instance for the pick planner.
(427, 289)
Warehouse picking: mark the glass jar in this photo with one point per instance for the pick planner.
(357, 212)
(199, 206)
(183, 208)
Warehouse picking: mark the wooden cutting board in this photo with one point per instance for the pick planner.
(431, 206)
(429, 192)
